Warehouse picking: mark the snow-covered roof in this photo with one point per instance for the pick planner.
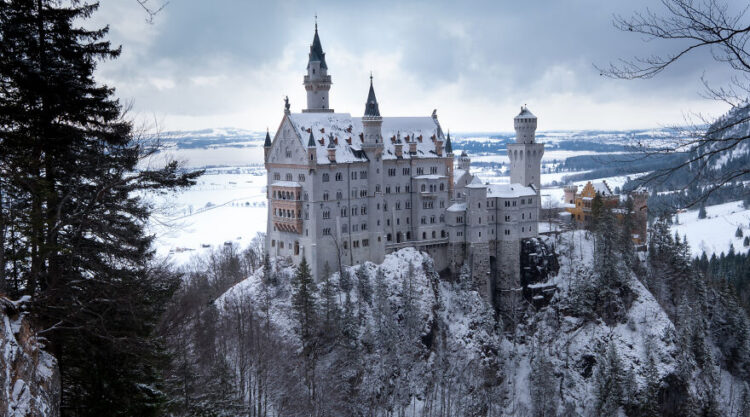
(509, 190)
(429, 177)
(457, 174)
(525, 113)
(476, 183)
(602, 188)
(346, 132)
(285, 184)
(457, 207)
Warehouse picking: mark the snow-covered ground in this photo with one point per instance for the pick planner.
(226, 205)
(716, 232)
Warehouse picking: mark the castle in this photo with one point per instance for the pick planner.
(344, 190)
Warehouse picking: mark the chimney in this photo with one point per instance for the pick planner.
(331, 149)
(413, 147)
(399, 149)
(439, 147)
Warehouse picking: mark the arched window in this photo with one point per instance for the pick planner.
(423, 188)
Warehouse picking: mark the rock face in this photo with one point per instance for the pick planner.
(538, 262)
(29, 377)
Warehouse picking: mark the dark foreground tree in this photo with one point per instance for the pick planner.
(72, 223)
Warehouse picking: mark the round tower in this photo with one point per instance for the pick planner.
(525, 154)
(317, 81)
(570, 193)
(464, 162)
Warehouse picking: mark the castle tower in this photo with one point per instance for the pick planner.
(464, 162)
(570, 193)
(372, 144)
(525, 155)
(317, 81)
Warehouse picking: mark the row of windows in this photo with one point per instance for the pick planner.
(340, 177)
(356, 243)
(286, 213)
(433, 187)
(407, 171)
(423, 220)
(355, 228)
(397, 188)
(288, 177)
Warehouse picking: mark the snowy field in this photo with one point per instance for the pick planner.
(716, 232)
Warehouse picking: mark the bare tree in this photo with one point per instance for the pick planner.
(692, 25)
(151, 9)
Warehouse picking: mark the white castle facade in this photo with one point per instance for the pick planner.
(343, 190)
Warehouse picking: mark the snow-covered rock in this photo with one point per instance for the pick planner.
(29, 377)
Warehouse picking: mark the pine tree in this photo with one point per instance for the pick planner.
(738, 233)
(702, 212)
(364, 288)
(304, 302)
(68, 160)
(543, 386)
(609, 380)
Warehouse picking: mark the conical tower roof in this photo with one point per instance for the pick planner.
(316, 51)
(371, 107)
(311, 140)
(267, 143)
(448, 146)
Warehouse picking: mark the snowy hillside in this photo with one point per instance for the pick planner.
(716, 232)
(395, 339)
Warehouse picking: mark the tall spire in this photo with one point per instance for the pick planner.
(316, 49)
(267, 143)
(448, 146)
(371, 107)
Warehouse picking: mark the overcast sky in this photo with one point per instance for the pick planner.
(222, 63)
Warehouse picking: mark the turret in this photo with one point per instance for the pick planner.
(267, 145)
(372, 123)
(525, 125)
(317, 81)
(331, 149)
(312, 155)
(570, 194)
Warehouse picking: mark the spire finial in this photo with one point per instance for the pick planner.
(370, 77)
(316, 21)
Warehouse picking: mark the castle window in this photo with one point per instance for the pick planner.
(325, 196)
(507, 232)
(339, 195)
(408, 235)
(326, 214)
(355, 211)
(301, 177)
(355, 244)
(305, 196)
(408, 205)
(307, 215)
(387, 190)
(480, 234)
(442, 203)
(339, 177)
(344, 228)
(406, 188)
(364, 210)
(459, 219)
(423, 220)
(523, 216)
(407, 220)
(355, 228)
(420, 171)
(387, 222)
(354, 175)
(388, 237)
(365, 243)
(311, 156)
(442, 218)
(530, 201)
(522, 229)
(433, 234)
(346, 245)
(344, 212)
(281, 244)
(398, 188)
(433, 170)
(363, 227)
(507, 218)
(391, 172)
(276, 176)
(514, 203)
(406, 171)
(385, 206)
(325, 178)
(523, 201)
(442, 187)
(296, 247)
(354, 193)
(363, 193)
(424, 235)
(442, 233)
(432, 219)
(363, 175)
(479, 205)
(288, 153)
(398, 221)
(273, 243)
(288, 177)
(398, 205)
(424, 188)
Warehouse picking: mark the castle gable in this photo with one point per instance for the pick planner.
(286, 147)
(346, 132)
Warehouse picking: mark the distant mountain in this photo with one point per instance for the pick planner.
(213, 138)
